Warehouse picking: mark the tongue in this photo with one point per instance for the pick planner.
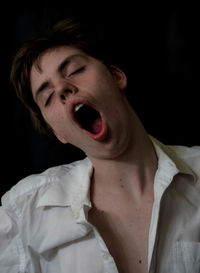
(89, 119)
(96, 126)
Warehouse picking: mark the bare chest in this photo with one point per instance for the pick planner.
(126, 236)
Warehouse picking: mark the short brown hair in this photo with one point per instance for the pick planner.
(69, 32)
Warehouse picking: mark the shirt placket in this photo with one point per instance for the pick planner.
(80, 215)
(163, 178)
(108, 261)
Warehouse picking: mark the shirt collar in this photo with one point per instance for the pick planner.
(73, 188)
(169, 162)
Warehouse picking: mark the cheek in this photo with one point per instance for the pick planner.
(99, 77)
(104, 89)
(54, 119)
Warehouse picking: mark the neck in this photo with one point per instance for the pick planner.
(134, 170)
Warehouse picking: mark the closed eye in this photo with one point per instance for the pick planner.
(81, 69)
(48, 99)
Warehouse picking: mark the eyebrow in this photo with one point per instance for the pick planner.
(61, 68)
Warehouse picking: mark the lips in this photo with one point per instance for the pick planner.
(89, 119)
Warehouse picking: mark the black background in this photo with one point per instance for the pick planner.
(156, 45)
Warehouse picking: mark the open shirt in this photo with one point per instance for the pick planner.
(44, 226)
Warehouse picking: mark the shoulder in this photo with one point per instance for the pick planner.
(187, 159)
(190, 155)
(35, 183)
(186, 152)
(28, 224)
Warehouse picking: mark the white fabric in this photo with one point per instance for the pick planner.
(44, 228)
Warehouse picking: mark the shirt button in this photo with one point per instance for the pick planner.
(106, 256)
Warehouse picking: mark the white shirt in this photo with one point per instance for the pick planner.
(44, 227)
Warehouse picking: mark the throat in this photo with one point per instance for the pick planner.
(125, 181)
(95, 126)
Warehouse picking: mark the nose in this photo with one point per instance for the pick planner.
(64, 90)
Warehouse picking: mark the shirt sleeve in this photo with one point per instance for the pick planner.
(9, 252)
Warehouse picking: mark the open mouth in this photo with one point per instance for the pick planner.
(90, 120)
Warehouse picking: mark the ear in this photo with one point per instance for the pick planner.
(119, 77)
(60, 138)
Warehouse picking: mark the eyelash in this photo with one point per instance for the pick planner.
(78, 70)
(48, 100)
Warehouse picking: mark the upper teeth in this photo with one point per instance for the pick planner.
(78, 106)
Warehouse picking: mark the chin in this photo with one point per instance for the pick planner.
(112, 150)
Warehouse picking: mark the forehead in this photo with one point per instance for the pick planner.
(56, 55)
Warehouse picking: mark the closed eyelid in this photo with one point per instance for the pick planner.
(77, 70)
(44, 87)
(47, 101)
(70, 64)
(77, 62)
(44, 96)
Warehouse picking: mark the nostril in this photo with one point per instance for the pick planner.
(62, 97)
(64, 94)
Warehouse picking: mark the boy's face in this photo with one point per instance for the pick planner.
(82, 100)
